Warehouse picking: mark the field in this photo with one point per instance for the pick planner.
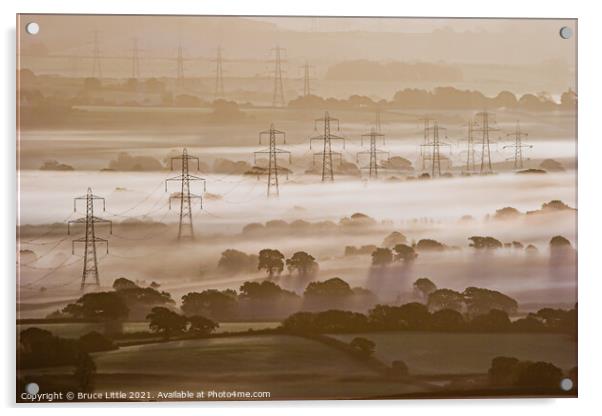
(287, 367)
(440, 353)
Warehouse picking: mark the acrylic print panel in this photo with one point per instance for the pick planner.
(288, 208)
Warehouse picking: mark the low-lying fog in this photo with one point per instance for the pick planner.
(418, 209)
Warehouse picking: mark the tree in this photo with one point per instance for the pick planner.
(335, 288)
(303, 263)
(382, 257)
(415, 314)
(503, 371)
(272, 261)
(265, 290)
(539, 374)
(300, 322)
(234, 261)
(123, 283)
(493, 321)
(485, 243)
(480, 301)
(363, 345)
(447, 320)
(506, 213)
(429, 245)
(394, 239)
(199, 325)
(424, 286)
(559, 241)
(334, 320)
(212, 303)
(386, 317)
(105, 306)
(405, 253)
(445, 299)
(166, 321)
(84, 372)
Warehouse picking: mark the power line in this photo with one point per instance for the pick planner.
(470, 166)
(90, 274)
(135, 60)
(436, 144)
(518, 146)
(96, 58)
(373, 152)
(278, 97)
(219, 75)
(484, 121)
(327, 154)
(273, 152)
(185, 228)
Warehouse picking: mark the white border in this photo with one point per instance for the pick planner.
(590, 201)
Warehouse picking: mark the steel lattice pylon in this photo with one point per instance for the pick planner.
(219, 75)
(90, 275)
(185, 227)
(484, 121)
(518, 146)
(272, 152)
(435, 142)
(327, 154)
(278, 98)
(373, 152)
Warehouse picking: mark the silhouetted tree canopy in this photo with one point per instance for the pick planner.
(509, 371)
(199, 325)
(485, 243)
(99, 305)
(559, 241)
(382, 257)
(166, 321)
(301, 262)
(234, 261)
(394, 239)
(447, 320)
(404, 253)
(429, 245)
(363, 345)
(212, 303)
(445, 299)
(272, 261)
(424, 286)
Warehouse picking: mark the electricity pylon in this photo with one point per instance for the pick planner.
(90, 274)
(219, 74)
(327, 154)
(426, 139)
(518, 146)
(96, 68)
(135, 60)
(373, 152)
(185, 229)
(377, 124)
(278, 98)
(470, 166)
(306, 79)
(273, 152)
(436, 144)
(483, 121)
(180, 65)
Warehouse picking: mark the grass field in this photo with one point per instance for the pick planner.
(445, 353)
(286, 366)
